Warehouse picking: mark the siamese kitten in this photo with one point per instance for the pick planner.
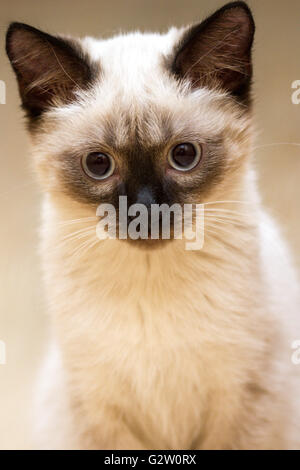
(155, 346)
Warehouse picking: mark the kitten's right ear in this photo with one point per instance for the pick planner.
(49, 69)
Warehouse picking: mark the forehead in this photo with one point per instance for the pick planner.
(155, 117)
(137, 98)
(132, 56)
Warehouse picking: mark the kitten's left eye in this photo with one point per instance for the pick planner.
(98, 165)
(185, 156)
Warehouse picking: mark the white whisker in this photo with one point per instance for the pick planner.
(84, 247)
(225, 211)
(227, 202)
(78, 232)
(227, 220)
(75, 221)
(218, 227)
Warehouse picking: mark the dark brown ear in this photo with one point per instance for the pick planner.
(49, 69)
(217, 52)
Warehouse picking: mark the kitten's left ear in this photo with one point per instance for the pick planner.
(217, 52)
(48, 68)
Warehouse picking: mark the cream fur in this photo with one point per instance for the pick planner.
(164, 349)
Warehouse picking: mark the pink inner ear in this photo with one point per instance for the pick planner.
(218, 51)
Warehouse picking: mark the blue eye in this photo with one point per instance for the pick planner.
(98, 165)
(185, 156)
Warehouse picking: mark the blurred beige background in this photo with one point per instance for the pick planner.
(23, 323)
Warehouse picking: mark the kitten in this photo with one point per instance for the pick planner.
(155, 346)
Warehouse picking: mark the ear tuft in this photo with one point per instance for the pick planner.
(49, 69)
(217, 52)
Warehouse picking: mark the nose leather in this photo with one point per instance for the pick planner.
(145, 196)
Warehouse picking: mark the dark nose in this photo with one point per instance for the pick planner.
(146, 197)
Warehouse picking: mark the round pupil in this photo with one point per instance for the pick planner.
(184, 154)
(98, 163)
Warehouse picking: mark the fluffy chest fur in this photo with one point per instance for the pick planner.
(167, 343)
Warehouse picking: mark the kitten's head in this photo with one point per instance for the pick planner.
(156, 118)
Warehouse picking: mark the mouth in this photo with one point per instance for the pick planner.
(148, 243)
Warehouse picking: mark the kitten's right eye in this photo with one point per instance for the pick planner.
(98, 165)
